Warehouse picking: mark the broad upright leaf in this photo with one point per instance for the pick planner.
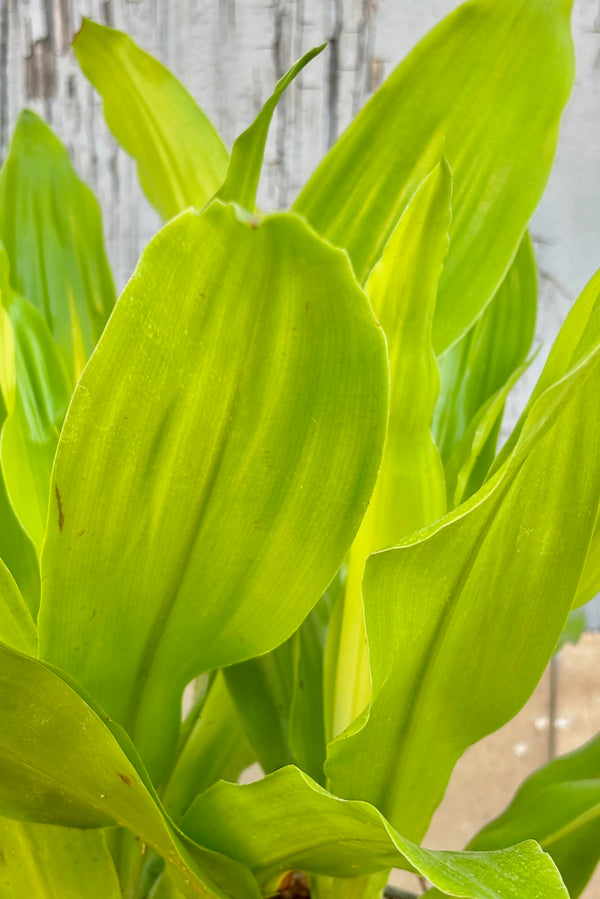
(559, 806)
(181, 159)
(205, 500)
(51, 228)
(330, 836)
(478, 601)
(488, 84)
(62, 763)
(247, 153)
(46, 862)
(410, 491)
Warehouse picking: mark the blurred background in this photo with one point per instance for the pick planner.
(229, 53)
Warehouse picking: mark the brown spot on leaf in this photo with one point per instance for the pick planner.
(124, 778)
(61, 517)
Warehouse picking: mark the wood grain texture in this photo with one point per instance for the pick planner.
(229, 53)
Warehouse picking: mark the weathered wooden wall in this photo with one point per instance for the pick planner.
(229, 53)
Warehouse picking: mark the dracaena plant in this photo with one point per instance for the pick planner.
(277, 481)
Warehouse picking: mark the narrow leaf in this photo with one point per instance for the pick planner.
(410, 491)
(51, 228)
(334, 837)
(226, 473)
(247, 153)
(17, 627)
(559, 806)
(181, 159)
(479, 600)
(489, 83)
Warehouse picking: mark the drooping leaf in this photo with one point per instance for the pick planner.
(42, 861)
(216, 748)
(479, 368)
(205, 501)
(573, 629)
(51, 228)
(17, 627)
(479, 600)
(410, 491)
(559, 806)
(61, 763)
(181, 158)
(286, 821)
(30, 432)
(488, 84)
(247, 153)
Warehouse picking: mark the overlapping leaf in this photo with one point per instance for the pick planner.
(410, 491)
(559, 806)
(51, 228)
(17, 627)
(478, 372)
(287, 821)
(181, 159)
(463, 617)
(44, 862)
(61, 763)
(205, 500)
(489, 84)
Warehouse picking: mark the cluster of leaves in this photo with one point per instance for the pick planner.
(200, 514)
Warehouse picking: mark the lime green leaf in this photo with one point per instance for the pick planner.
(480, 599)
(51, 228)
(44, 862)
(16, 549)
(18, 553)
(226, 472)
(247, 153)
(350, 839)
(181, 159)
(61, 763)
(17, 627)
(30, 433)
(262, 691)
(410, 491)
(488, 84)
(589, 585)
(483, 362)
(559, 806)
(215, 749)
(467, 467)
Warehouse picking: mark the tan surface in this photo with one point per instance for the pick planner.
(489, 773)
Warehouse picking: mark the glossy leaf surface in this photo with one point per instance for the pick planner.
(205, 502)
(46, 862)
(410, 491)
(247, 153)
(181, 159)
(60, 763)
(480, 599)
(559, 806)
(486, 87)
(349, 839)
(51, 228)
